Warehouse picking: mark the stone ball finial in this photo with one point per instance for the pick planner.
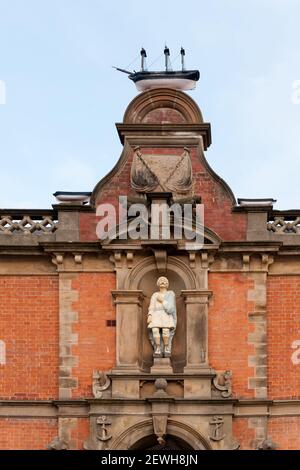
(161, 384)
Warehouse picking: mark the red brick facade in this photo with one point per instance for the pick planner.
(62, 293)
(96, 341)
(229, 328)
(19, 434)
(283, 330)
(29, 327)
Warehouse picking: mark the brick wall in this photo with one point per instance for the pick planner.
(228, 328)
(285, 432)
(80, 433)
(29, 434)
(96, 340)
(243, 433)
(283, 305)
(29, 328)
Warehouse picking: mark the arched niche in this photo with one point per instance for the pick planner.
(148, 265)
(143, 277)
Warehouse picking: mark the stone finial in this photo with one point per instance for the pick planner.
(161, 386)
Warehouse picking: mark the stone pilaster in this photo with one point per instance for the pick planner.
(196, 302)
(129, 335)
(258, 338)
(67, 339)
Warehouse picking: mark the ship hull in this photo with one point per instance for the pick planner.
(184, 80)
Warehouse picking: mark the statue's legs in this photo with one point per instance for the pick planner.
(156, 338)
(166, 340)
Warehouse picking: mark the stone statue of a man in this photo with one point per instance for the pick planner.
(162, 319)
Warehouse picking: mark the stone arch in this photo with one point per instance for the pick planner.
(180, 103)
(147, 265)
(134, 434)
(211, 237)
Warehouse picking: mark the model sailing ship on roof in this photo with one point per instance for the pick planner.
(180, 79)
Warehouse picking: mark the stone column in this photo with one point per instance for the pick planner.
(129, 334)
(196, 303)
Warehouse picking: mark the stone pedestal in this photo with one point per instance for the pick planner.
(161, 365)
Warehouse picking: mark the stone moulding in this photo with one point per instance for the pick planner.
(144, 428)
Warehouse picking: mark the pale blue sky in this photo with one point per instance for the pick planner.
(62, 96)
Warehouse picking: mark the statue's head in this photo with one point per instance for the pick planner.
(162, 282)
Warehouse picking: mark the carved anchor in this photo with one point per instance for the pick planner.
(216, 423)
(103, 421)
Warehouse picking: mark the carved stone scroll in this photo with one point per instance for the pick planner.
(101, 382)
(222, 383)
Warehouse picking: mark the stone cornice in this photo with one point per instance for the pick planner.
(17, 250)
(250, 246)
(239, 408)
(32, 212)
(203, 129)
(197, 296)
(83, 247)
(72, 208)
(267, 209)
(127, 296)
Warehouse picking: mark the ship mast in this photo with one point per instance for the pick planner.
(143, 59)
(167, 59)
